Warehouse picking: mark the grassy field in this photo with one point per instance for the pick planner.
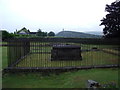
(76, 79)
(88, 58)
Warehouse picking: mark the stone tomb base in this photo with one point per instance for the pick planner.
(66, 52)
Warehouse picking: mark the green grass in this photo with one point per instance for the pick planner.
(89, 46)
(3, 53)
(4, 57)
(76, 79)
(88, 58)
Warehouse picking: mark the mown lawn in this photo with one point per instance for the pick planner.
(75, 79)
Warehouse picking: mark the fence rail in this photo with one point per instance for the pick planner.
(36, 52)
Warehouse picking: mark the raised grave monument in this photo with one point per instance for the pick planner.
(66, 53)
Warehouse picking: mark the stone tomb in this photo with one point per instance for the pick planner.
(66, 53)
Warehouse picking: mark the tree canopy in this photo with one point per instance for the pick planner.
(41, 34)
(6, 35)
(112, 20)
(51, 33)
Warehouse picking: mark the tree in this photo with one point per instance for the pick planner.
(44, 34)
(112, 21)
(41, 34)
(51, 33)
(6, 35)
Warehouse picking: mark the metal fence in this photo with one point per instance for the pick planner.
(36, 52)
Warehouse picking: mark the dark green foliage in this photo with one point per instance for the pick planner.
(5, 35)
(112, 21)
(41, 34)
(51, 33)
(44, 34)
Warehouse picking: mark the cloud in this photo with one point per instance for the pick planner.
(36, 14)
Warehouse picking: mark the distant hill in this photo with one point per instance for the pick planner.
(95, 32)
(76, 34)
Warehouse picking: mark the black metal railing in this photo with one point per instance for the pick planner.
(16, 51)
(36, 52)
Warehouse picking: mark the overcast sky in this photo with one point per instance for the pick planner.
(52, 15)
